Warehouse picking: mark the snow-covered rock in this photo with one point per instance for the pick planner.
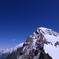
(42, 44)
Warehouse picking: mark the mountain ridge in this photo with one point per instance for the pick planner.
(39, 45)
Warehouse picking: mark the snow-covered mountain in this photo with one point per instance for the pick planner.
(5, 52)
(42, 44)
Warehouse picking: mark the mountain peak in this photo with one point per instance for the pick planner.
(44, 31)
(43, 28)
(47, 31)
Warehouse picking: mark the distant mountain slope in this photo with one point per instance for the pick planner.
(5, 52)
(42, 44)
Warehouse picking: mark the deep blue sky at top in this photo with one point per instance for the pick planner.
(19, 18)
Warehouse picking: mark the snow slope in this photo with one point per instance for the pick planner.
(52, 37)
(51, 49)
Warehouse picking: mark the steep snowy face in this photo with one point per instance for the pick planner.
(50, 35)
(47, 35)
(52, 42)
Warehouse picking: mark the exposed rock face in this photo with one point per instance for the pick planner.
(57, 43)
(43, 55)
(33, 47)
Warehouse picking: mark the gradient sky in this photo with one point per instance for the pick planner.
(20, 18)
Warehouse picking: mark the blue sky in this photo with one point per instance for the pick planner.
(20, 18)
